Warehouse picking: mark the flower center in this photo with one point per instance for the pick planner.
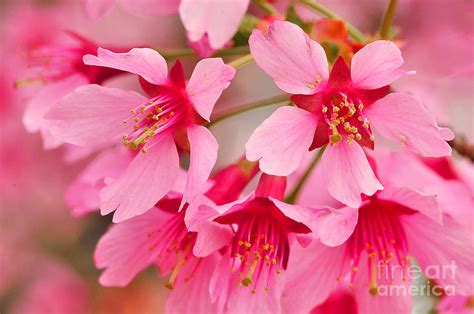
(344, 116)
(174, 244)
(156, 116)
(380, 235)
(50, 64)
(260, 249)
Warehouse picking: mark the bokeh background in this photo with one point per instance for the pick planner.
(46, 254)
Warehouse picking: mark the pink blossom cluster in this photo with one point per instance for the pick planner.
(336, 195)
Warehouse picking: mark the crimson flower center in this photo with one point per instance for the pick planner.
(343, 113)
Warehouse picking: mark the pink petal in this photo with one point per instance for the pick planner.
(41, 103)
(192, 296)
(124, 250)
(294, 212)
(334, 226)
(280, 142)
(296, 63)
(203, 156)
(377, 65)
(402, 117)
(311, 276)
(92, 115)
(209, 79)
(434, 245)
(144, 62)
(348, 174)
(151, 7)
(97, 8)
(425, 204)
(82, 196)
(216, 18)
(210, 238)
(148, 178)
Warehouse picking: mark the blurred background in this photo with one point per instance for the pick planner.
(47, 254)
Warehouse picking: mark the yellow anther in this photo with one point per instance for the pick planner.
(360, 107)
(133, 111)
(372, 138)
(325, 109)
(150, 102)
(358, 137)
(335, 138)
(335, 109)
(144, 149)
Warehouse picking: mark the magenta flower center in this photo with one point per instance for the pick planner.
(158, 115)
(379, 234)
(343, 113)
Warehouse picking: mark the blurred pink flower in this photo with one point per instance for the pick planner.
(97, 8)
(62, 69)
(171, 117)
(338, 109)
(211, 24)
(56, 290)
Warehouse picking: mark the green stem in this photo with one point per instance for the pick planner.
(253, 105)
(188, 52)
(291, 198)
(265, 6)
(353, 31)
(387, 19)
(240, 62)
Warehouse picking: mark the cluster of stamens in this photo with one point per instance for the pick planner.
(49, 64)
(258, 247)
(381, 237)
(173, 242)
(345, 118)
(154, 117)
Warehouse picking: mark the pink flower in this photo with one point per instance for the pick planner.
(371, 247)
(60, 67)
(168, 119)
(97, 8)
(338, 108)
(246, 278)
(160, 237)
(211, 24)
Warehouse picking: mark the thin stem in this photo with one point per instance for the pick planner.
(265, 6)
(188, 52)
(240, 62)
(387, 19)
(291, 198)
(243, 108)
(353, 31)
